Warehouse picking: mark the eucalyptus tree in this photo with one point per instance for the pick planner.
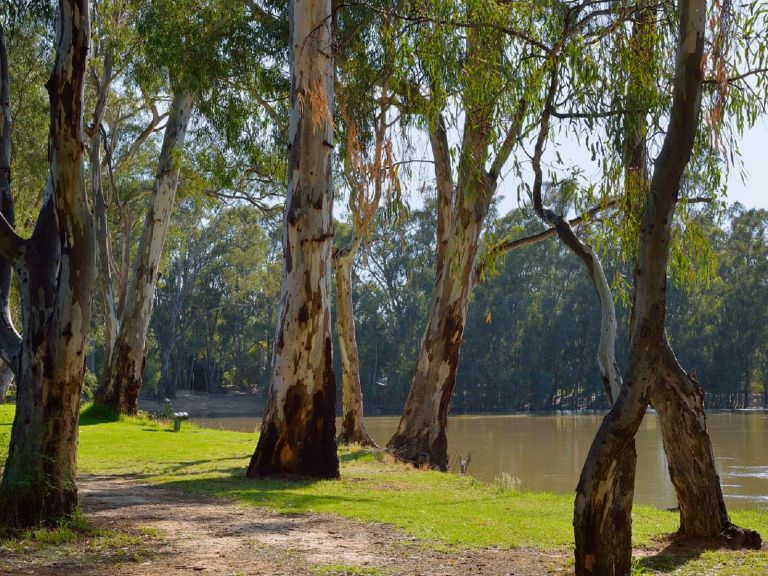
(365, 180)
(298, 427)
(490, 97)
(55, 267)
(194, 71)
(603, 546)
(493, 91)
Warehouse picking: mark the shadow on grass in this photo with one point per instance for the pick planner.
(675, 554)
(284, 494)
(97, 414)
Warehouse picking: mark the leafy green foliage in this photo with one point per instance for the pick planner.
(217, 301)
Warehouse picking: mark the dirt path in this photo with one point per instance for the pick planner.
(180, 534)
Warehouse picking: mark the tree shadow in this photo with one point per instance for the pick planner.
(676, 553)
(97, 414)
(284, 493)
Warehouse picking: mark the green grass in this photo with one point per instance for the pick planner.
(708, 562)
(443, 510)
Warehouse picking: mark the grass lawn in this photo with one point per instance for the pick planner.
(441, 509)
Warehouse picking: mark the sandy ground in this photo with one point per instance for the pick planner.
(180, 534)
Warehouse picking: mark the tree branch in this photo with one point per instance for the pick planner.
(524, 241)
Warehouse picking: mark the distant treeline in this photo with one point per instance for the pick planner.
(532, 332)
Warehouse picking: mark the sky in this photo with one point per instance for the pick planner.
(754, 151)
(752, 192)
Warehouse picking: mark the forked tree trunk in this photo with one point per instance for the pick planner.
(600, 550)
(679, 401)
(676, 397)
(298, 427)
(420, 437)
(55, 268)
(617, 525)
(125, 371)
(352, 424)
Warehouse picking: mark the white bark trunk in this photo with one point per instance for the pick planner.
(298, 428)
(124, 373)
(353, 429)
(420, 437)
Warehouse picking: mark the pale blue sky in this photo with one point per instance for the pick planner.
(752, 193)
(754, 151)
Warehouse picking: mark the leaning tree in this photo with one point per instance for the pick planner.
(202, 56)
(501, 80)
(480, 69)
(603, 546)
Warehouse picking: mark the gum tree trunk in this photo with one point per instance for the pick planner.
(679, 401)
(420, 437)
(441, 152)
(104, 272)
(298, 428)
(676, 396)
(599, 549)
(617, 526)
(352, 425)
(124, 373)
(56, 269)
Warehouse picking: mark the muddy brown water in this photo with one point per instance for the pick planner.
(546, 452)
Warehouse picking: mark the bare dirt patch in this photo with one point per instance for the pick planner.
(176, 533)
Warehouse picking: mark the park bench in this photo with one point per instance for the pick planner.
(177, 417)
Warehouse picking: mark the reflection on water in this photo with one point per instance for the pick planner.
(546, 452)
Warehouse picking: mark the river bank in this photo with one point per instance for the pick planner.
(240, 404)
(179, 503)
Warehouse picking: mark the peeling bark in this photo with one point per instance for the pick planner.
(56, 271)
(298, 427)
(124, 373)
(420, 437)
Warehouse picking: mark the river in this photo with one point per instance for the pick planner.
(546, 452)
